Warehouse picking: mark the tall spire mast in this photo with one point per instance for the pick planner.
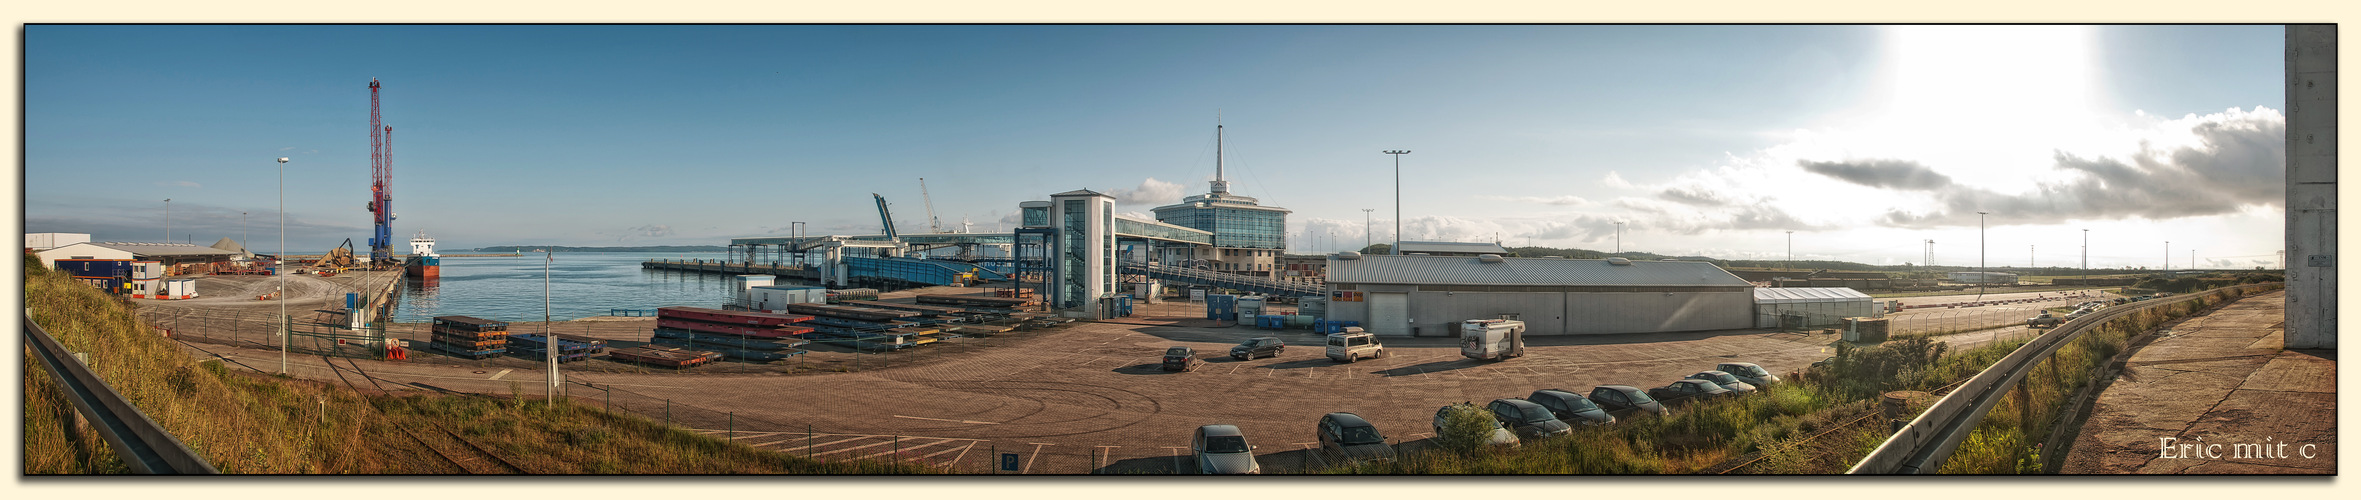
(1220, 185)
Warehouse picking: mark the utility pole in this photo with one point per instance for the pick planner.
(279, 267)
(2086, 257)
(1368, 228)
(242, 233)
(2168, 256)
(1983, 280)
(1619, 238)
(167, 220)
(1790, 264)
(1397, 250)
(2029, 258)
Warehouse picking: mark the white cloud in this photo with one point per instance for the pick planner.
(1150, 192)
(1563, 201)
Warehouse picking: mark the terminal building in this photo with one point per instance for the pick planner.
(1427, 295)
(1248, 238)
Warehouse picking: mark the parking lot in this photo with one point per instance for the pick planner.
(1090, 396)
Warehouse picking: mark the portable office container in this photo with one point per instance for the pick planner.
(96, 268)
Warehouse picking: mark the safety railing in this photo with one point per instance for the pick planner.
(1922, 446)
(145, 447)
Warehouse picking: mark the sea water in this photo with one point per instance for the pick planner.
(581, 284)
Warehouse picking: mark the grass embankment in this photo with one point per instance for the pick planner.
(1774, 425)
(2010, 439)
(245, 423)
(1800, 427)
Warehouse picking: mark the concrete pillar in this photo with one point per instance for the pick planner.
(2311, 186)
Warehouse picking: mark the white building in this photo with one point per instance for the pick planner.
(1422, 295)
(1810, 307)
(45, 241)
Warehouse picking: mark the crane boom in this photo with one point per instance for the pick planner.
(932, 223)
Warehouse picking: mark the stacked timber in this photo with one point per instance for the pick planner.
(978, 301)
(469, 337)
(849, 312)
(835, 296)
(745, 335)
(668, 357)
(530, 346)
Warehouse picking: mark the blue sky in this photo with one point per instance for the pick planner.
(1703, 140)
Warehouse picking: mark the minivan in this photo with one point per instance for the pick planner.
(1354, 344)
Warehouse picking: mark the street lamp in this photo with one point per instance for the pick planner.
(280, 268)
(1397, 197)
(1983, 280)
(243, 233)
(2168, 257)
(1368, 233)
(2086, 257)
(1790, 264)
(1619, 238)
(167, 220)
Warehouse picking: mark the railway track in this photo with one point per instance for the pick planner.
(474, 458)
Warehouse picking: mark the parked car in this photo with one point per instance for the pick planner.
(1258, 347)
(1181, 358)
(1623, 401)
(1347, 438)
(1571, 408)
(1726, 380)
(1531, 421)
(1689, 390)
(2045, 320)
(1354, 344)
(1500, 435)
(1222, 449)
(1750, 373)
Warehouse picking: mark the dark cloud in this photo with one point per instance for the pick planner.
(1697, 197)
(2238, 163)
(1888, 174)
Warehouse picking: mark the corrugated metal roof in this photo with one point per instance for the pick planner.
(1452, 270)
(163, 249)
(1452, 247)
(1810, 294)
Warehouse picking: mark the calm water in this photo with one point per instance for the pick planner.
(580, 284)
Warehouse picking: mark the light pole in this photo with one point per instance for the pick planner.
(1368, 228)
(280, 267)
(2167, 257)
(548, 343)
(1397, 197)
(243, 233)
(2029, 258)
(167, 220)
(2086, 257)
(1790, 264)
(1619, 238)
(1983, 280)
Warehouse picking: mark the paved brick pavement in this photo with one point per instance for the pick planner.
(2223, 383)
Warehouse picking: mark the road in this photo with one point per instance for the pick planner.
(2216, 382)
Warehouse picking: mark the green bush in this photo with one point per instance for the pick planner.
(1465, 428)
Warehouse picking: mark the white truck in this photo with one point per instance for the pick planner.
(1492, 339)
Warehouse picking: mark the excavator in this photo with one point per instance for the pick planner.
(339, 259)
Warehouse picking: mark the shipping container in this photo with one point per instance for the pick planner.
(96, 268)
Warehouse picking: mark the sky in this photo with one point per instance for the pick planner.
(1864, 141)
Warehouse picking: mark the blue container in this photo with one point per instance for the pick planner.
(352, 300)
(1327, 326)
(1270, 321)
(95, 268)
(1221, 307)
(1123, 305)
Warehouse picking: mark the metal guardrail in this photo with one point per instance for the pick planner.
(1923, 446)
(143, 445)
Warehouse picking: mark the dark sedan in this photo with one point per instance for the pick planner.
(1689, 390)
(1530, 421)
(1624, 401)
(1571, 408)
(1180, 358)
(1347, 438)
(1258, 347)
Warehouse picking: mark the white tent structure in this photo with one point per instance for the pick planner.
(1809, 307)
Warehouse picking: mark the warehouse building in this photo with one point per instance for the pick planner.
(1427, 296)
(1452, 248)
(1984, 277)
(1794, 308)
(171, 254)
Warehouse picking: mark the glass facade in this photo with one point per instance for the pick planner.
(1073, 253)
(1036, 216)
(1137, 228)
(1232, 227)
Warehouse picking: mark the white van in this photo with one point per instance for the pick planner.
(1492, 339)
(1354, 344)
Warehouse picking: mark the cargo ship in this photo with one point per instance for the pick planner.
(424, 263)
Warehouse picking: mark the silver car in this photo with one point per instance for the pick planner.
(1726, 380)
(1750, 373)
(1221, 449)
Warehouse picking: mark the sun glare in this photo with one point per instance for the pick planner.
(1990, 97)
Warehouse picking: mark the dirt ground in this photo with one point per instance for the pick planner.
(2224, 383)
